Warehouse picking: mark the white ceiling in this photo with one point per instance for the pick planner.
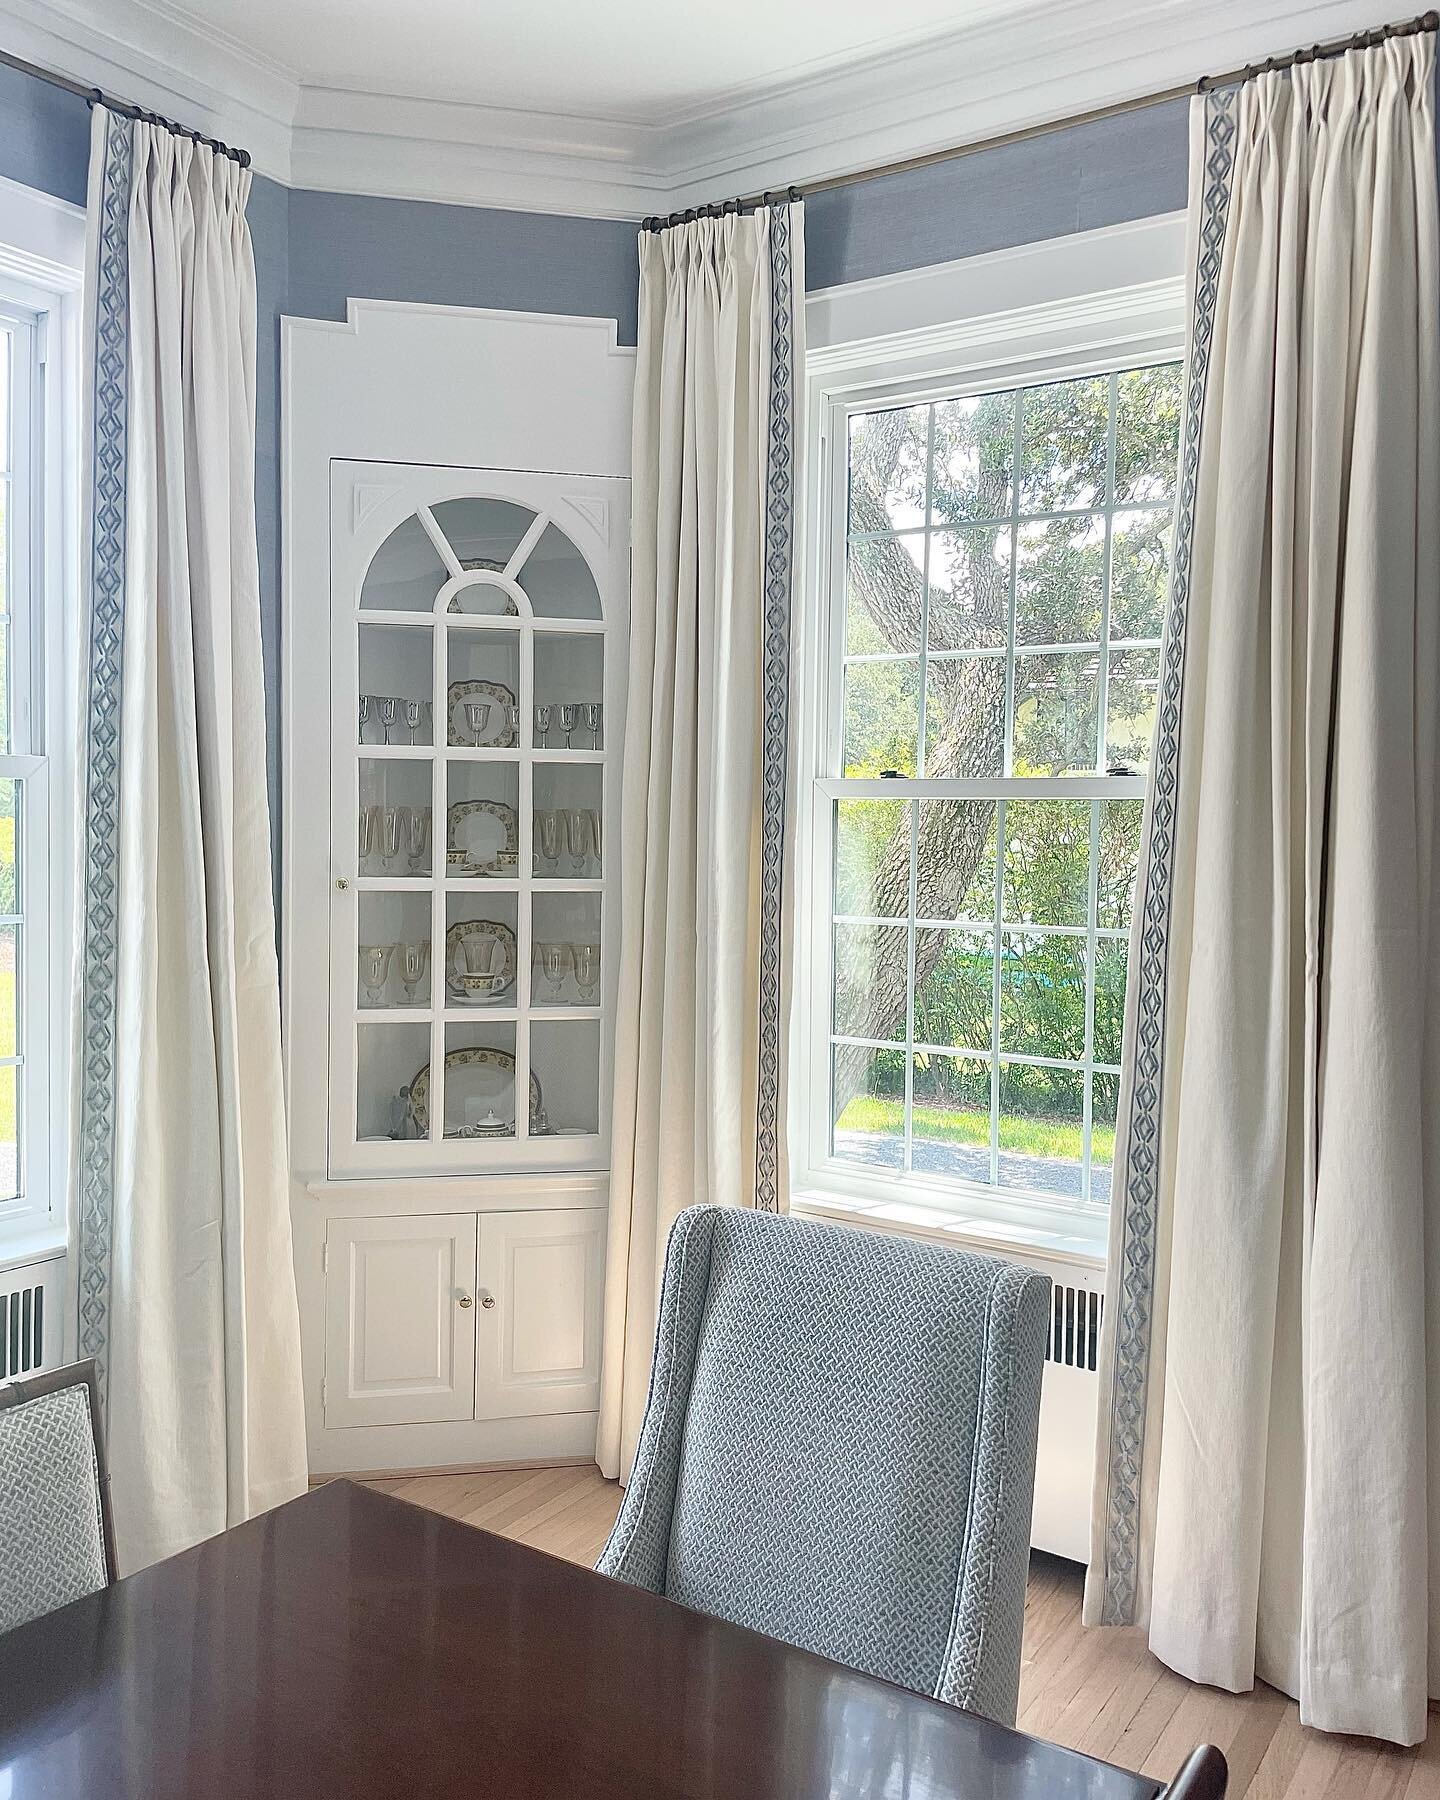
(649, 61)
(620, 108)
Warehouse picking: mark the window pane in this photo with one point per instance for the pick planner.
(1047, 862)
(9, 1074)
(9, 845)
(974, 448)
(884, 594)
(1130, 709)
(1060, 581)
(954, 989)
(887, 469)
(955, 860)
(1139, 574)
(969, 589)
(1120, 822)
(950, 1114)
(9, 1132)
(1104, 1098)
(867, 1113)
(1147, 433)
(870, 981)
(1065, 430)
(1110, 959)
(882, 717)
(1042, 995)
(1057, 710)
(872, 858)
(965, 717)
(1042, 1129)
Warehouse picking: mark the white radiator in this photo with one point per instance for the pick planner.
(32, 1318)
(1065, 1462)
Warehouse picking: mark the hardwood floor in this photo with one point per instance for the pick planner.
(1098, 1691)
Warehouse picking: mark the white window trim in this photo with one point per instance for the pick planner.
(42, 249)
(1074, 306)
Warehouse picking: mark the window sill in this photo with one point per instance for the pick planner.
(41, 1241)
(1000, 1237)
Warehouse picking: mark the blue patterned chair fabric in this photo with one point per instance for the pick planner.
(52, 1529)
(839, 1448)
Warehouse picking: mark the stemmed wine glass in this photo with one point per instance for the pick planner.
(594, 817)
(594, 712)
(369, 822)
(587, 970)
(375, 969)
(512, 727)
(388, 709)
(413, 958)
(413, 711)
(569, 719)
(553, 958)
(543, 716)
(547, 832)
(390, 824)
(367, 702)
(417, 837)
(577, 838)
(477, 716)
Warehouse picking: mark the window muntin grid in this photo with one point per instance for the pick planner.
(959, 621)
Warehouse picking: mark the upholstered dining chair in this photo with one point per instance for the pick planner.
(57, 1543)
(839, 1448)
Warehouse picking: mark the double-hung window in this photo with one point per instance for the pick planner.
(994, 565)
(36, 326)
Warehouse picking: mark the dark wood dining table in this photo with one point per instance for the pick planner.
(349, 1644)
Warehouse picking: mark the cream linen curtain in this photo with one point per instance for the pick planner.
(186, 1285)
(1268, 1478)
(699, 1060)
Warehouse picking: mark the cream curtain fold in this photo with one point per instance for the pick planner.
(703, 987)
(186, 1283)
(1268, 1478)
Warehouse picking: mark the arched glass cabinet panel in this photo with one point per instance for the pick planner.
(470, 977)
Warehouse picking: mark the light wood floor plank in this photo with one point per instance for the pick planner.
(1097, 1691)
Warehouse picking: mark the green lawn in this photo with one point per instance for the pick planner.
(1057, 1138)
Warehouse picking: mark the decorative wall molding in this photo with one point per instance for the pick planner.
(1043, 62)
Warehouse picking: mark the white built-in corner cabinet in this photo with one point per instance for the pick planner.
(456, 551)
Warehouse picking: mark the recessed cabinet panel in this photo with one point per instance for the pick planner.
(540, 1284)
(399, 1325)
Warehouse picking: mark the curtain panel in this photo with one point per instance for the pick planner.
(1268, 1472)
(186, 1285)
(698, 1110)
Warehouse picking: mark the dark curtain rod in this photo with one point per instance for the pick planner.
(94, 96)
(1360, 40)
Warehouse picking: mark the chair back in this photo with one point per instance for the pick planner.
(56, 1537)
(1203, 1777)
(839, 1448)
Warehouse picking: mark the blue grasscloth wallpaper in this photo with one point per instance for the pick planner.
(314, 250)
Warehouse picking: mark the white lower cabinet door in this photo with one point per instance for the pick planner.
(541, 1279)
(400, 1320)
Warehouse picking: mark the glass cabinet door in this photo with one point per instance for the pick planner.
(472, 783)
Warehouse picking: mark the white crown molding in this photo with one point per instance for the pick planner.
(1041, 63)
(161, 61)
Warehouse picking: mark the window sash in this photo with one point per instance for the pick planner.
(22, 759)
(821, 1168)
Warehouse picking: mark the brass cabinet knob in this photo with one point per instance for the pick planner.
(466, 1301)
(487, 1300)
(341, 883)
